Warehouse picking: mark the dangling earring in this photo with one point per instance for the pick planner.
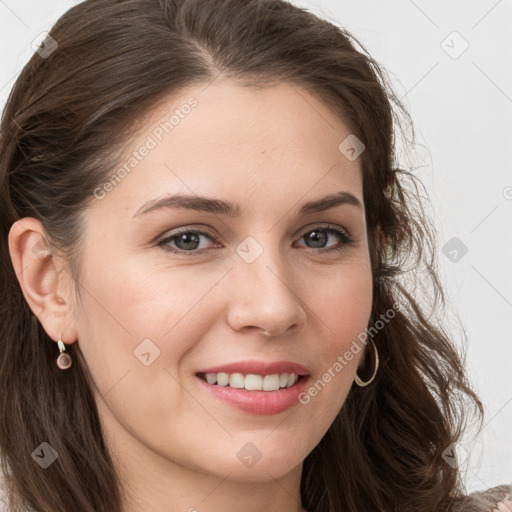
(64, 360)
(361, 383)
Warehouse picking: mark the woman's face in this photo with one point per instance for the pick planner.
(267, 286)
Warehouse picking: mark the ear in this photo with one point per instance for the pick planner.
(42, 277)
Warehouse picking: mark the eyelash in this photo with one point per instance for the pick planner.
(345, 237)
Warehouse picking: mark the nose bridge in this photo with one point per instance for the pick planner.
(261, 261)
(264, 296)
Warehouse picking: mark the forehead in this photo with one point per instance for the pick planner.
(224, 139)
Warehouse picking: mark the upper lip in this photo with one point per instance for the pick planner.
(259, 368)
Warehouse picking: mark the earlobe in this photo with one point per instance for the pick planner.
(41, 277)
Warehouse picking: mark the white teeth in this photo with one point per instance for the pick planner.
(252, 382)
(211, 378)
(236, 380)
(271, 383)
(222, 379)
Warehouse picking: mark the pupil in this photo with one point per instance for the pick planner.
(189, 238)
(318, 236)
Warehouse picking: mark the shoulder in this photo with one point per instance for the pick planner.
(505, 506)
(495, 499)
(6, 504)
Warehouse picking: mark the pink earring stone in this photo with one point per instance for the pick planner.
(64, 360)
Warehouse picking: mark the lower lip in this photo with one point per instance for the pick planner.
(258, 402)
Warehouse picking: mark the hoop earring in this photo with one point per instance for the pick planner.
(361, 383)
(64, 360)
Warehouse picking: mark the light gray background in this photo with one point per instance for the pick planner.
(462, 110)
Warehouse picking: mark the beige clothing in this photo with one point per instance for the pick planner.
(493, 499)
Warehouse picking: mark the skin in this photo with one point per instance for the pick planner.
(175, 446)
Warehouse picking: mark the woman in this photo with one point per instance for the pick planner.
(209, 253)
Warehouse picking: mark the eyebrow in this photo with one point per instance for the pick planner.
(220, 207)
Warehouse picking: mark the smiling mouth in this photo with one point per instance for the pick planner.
(252, 382)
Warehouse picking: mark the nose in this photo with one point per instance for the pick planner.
(263, 297)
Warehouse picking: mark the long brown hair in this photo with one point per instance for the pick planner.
(67, 116)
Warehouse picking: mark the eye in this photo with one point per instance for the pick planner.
(320, 235)
(189, 240)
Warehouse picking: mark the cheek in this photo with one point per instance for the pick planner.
(129, 309)
(344, 306)
(344, 309)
